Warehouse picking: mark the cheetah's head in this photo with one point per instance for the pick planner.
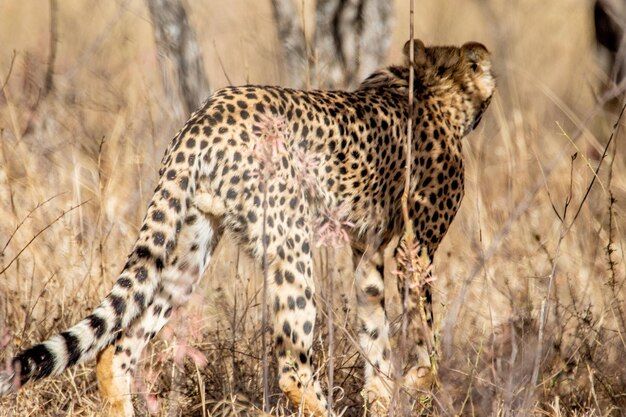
(463, 74)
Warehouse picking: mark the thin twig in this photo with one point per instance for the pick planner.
(545, 307)
(6, 80)
(307, 68)
(595, 174)
(86, 57)
(233, 335)
(266, 386)
(516, 213)
(219, 60)
(19, 225)
(29, 314)
(408, 226)
(563, 230)
(409, 129)
(40, 232)
(48, 84)
(330, 255)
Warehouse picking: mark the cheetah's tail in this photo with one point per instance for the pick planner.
(130, 296)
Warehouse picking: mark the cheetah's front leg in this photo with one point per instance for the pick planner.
(374, 329)
(374, 336)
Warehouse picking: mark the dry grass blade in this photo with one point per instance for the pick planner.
(48, 83)
(21, 223)
(521, 207)
(409, 235)
(10, 71)
(36, 235)
(524, 308)
(602, 158)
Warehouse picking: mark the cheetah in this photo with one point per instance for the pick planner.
(210, 182)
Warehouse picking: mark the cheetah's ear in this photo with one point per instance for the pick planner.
(475, 52)
(419, 52)
(479, 63)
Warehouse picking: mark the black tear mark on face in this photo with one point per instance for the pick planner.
(477, 121)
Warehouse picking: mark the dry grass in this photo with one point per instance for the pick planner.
(77, 168)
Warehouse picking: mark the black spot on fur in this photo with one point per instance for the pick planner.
(118, 304)
(184, 183)
(158, 238)
(140, 299)
(97, 324)
(307, 327)
(287, 329)
(159, 264)
(141, 274)
(158, 216)
(278, 278)
(175, 204)
(72, 347)
(124, 282)
(157, 309)
(143, 252)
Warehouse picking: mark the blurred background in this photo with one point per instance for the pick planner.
(529, 296)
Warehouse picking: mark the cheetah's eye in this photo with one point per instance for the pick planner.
(474, 67)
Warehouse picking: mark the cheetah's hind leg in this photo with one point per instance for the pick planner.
(294, 317)
(117, 364)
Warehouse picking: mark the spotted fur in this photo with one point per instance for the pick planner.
(209, 182)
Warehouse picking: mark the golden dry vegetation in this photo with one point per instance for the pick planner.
(77, 168)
